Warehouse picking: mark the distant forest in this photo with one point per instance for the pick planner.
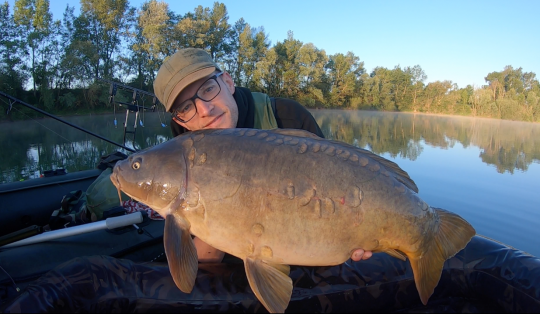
(53, 64)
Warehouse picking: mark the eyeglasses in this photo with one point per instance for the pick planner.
(207, 92)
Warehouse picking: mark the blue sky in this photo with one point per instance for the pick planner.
(456, 40)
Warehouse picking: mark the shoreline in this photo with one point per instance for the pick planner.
(63, 115)
(427, 114)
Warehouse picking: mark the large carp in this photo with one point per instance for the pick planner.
(286, 197)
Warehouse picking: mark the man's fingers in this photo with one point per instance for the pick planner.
(359, 254)
(367, 255)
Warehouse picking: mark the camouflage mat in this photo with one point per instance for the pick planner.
(484, 277)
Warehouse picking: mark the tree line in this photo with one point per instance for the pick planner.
(54, 63)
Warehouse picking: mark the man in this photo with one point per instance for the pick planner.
(201, 96)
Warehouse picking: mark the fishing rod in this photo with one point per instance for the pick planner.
(14, 100)
(140, 91)
(134, 106)
(136, 94)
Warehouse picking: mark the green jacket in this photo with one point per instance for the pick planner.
(264, 112)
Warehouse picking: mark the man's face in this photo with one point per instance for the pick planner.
(219, 113)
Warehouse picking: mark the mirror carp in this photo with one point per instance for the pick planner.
(275, 198)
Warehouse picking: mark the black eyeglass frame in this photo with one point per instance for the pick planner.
(196, 96)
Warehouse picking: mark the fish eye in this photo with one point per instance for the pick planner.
(136, 165)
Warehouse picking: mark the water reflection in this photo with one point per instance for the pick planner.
(508, 145)
(31, 147)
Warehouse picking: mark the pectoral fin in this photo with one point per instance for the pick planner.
(270, 283)
(181, 252)
(285, 269)
(396, 254)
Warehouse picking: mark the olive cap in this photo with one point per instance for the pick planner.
(179, 70)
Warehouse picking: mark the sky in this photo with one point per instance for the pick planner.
(460, 41)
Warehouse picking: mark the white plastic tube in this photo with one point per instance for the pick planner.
(109, 223)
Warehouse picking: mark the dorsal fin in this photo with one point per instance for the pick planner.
(401, 175)
(296, 132)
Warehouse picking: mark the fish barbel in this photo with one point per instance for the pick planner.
(275, 198)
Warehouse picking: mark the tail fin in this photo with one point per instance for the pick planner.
(451, 236)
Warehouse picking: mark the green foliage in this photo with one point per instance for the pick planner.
(12, 70)
(34, 21)
(344, 71)
(250, 46)
(68, 100)
(59, 61)
(208, 29)
(100, 32)
(152, 39)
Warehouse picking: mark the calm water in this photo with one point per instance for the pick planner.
(488, 171)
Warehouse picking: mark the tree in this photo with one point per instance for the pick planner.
(34, 19)
(12, 77)
(513, 79)
(100, 32)
(495, 81)
(344, 71)
(267, 75)
(153, 40)
(288, 66)
(509, 89)
(502, 82)
(418, 76)
(465, 94)
(380, 88)
(530, 82)
(434, 93)
(250, 46)
(66, 73)
(208, 29)
(401, 81)
(312, 63)
(233, 64)
(533, 106)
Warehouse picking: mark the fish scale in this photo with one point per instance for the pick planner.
(286, 197)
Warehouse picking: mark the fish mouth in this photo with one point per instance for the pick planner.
(115, 181)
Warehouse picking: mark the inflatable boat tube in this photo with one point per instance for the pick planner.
(484, 277)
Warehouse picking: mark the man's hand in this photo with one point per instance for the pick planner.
(359, 254)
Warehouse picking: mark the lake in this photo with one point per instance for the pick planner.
(487, 171)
